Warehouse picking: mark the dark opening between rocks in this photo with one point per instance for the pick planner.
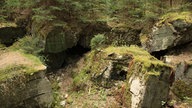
(159, 54)
(171, 51)
(59, 60)
(74, 54)
(120, 75)
(77, 50)
(8, 35)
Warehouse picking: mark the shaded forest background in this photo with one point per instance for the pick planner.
(66, 13)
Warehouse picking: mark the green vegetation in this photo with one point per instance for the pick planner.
(81, 80)
(30, 45)
(97, 41)
(64, 22)
(56, 96)
(53, 11)
(172, 16)
(13, 70)
(142, 61)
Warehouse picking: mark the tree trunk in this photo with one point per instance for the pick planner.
(171, 3)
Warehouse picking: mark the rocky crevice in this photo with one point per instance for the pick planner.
(8, 35)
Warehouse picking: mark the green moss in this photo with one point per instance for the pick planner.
(139, 55)
(153, 73)
(35, 60)
(13, 70)
(169, 17)
(127, 96)
(142, 61)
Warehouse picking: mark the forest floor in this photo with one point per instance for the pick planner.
(98, 97)
(91, 96)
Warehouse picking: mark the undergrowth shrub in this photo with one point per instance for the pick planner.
(97, 41)
(30, 45)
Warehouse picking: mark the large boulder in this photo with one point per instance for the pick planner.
(172, 30)
(26, 91)
(147, 80)
(58, 40)
(23, 83)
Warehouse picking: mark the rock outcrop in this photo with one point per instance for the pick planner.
(23, 83)
(147, 79)
(26, 91)
(182, 63)
(58, 40)
(182, 87)
(172, 30)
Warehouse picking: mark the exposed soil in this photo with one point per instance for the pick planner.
(8, 58)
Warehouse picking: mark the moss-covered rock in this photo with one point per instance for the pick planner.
(147, 79)
(23, 82)
(182, 85)
(173, 29)
(59, 40)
